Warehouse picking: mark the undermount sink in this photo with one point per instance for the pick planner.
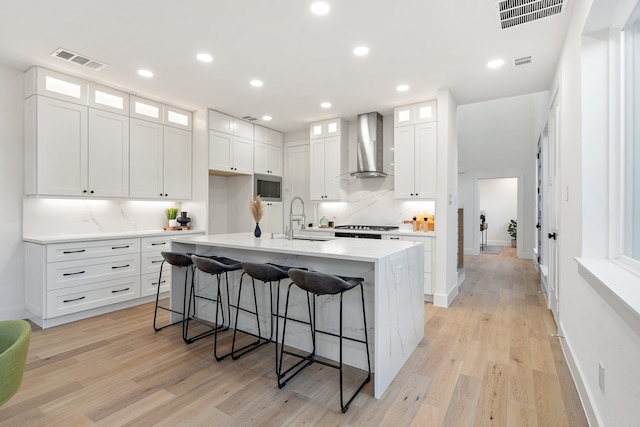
(310, 238)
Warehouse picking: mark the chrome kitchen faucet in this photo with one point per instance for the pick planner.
(301, 217)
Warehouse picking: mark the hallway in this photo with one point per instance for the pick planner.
(488, 360)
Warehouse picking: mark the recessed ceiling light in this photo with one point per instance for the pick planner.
(145, 73)
(402, 88)
(204, 57)
(267, 118)
(495, 63)
(326, 105)
(320, 7)
(361, 51)
(256, 83)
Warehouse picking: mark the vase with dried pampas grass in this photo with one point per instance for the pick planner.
(257, 211)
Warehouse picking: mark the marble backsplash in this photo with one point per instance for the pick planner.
(50, 217)
(371, 202)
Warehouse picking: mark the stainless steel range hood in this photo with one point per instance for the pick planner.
(369, 150)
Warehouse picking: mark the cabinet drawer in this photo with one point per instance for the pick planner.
(150, 263)
(85, 297)
(73, 273)
(149, 283)
(84, 250)
(160, 243)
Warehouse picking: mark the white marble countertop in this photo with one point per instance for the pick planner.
(68, 238)
(400, 232)
(346, 249)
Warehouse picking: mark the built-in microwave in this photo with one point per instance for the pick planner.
(268, 187)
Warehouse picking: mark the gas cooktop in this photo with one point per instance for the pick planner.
(367, 227)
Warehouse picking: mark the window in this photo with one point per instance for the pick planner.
(631, 156)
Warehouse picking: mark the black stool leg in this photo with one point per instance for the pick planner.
(259, 340)
(366, 339)
(308, 358)
(155, 313)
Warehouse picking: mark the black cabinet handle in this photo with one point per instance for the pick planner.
(91, 191)
(121, 247)
(119, 290)
(119, 266)
(75, 299)
(157, 244)
(156, 283)
(73, 274)
(84, 191)
(156, 261)
(73, 252)
(553, 236)
(538, 225)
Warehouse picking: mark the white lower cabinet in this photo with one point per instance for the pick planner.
(75, 280)
(429, 257)
(151, 259)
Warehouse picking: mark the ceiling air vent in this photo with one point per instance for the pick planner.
(522, 62)
(516, 12)
(69, 56)
(249, 118)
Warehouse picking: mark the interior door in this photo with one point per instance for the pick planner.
(554, 205)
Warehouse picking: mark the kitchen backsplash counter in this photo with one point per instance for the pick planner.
(68, 238)
(400, 232)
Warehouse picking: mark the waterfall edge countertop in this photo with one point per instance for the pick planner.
(347, 249)
(393, 290)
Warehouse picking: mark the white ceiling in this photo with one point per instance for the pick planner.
(302, 58)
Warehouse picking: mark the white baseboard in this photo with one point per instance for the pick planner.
(590, 411)
(441, 300)
(12, 313)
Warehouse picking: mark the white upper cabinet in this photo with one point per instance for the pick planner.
(56, 141)
(267, 152)
(267, 159)
(177, 118)
(220, 122)
(328, 163)
(325, 128)
(40, 81)
(105, 98)
(147, 160)
(416, 161)
(146, 109)
(81, 141)
(230, 154)
(424, 112)
(108, 165)
(228, 124)
(72, 150)
(177, 163)
(160, 161)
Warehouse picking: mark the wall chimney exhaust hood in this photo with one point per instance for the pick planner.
(369, 149)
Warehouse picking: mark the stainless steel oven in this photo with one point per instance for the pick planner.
(268, 187)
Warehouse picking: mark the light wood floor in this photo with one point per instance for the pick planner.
(488, 360)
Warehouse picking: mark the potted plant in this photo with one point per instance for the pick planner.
(172, 213)
(512, 229)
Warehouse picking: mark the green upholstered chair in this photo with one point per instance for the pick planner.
(14, 343)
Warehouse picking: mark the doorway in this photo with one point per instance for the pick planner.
(497, 206)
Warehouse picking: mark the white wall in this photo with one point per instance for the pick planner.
(595, 331)
(11, 189)
(498, 197)
(497, 139)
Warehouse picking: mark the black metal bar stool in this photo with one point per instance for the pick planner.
(317, 283)
(269, 274)
(175, 259)
(216, 266)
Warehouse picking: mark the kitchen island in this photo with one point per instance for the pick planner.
(393, 287)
